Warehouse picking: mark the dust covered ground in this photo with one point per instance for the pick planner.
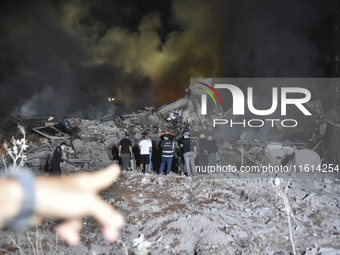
(209, 214)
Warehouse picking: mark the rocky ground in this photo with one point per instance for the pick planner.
(208, 214)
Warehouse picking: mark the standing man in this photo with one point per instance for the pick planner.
(145, 147)
(167, 147)
(181, 164)
(150, 157)
(212, 150)
(189, 149)
(57, 158)
(203, 150)
(125, 152)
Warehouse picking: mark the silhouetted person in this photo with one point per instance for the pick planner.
(125, 152)
(212, 150)
(203, 150)
(57, 158)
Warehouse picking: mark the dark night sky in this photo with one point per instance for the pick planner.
(67, 57)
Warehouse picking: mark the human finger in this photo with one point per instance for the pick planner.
(69, 231)
(96, 180)
(111, 234)
(109, 219)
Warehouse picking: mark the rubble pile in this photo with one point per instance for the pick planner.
(209, 214)
(93, 144)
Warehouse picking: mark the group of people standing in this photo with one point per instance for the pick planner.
(145, 148)
(126, 154)
(206, 150)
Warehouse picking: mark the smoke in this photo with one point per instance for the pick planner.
(191, 51)
(67, 57)
(279, 38)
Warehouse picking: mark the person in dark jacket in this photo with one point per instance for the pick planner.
(203, 150)
(125, 152)
(212, 150)
(57, 158)
(189, 148)
(167, 147)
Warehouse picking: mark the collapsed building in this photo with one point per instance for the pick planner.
(213, 215)
(93, 144)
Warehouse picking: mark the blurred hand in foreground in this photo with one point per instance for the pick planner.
(68, 198)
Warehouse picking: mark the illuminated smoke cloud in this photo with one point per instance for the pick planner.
(67, 58)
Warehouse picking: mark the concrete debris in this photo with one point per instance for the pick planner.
(51, 132)
(173, 115)
(94, 143)
(212, 213)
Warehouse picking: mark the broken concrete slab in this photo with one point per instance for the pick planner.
(51, 132)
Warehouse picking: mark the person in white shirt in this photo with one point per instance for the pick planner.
(145, 147)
